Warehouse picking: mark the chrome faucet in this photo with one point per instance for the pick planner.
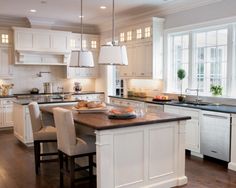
(197, 90)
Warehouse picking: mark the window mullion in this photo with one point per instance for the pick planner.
(230, 60)
(191, 61)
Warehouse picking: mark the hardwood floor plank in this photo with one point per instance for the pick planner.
(17, 169)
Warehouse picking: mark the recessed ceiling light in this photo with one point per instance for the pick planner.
(33, 10)
(103, 7)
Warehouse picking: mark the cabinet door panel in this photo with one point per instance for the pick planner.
(24, 40)
(8, 115)
(5, 62)
(192, 135)
(59, 42)
(42, 41)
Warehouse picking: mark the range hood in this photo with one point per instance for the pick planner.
(41, 46)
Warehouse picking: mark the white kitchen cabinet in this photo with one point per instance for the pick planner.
(41, 47)
(145, 54)
(6, 113)
(125, 102)
(6, 56)
(192, 137)
(91, 97)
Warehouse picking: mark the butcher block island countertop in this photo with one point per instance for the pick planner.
(100, 121)
(144, 152)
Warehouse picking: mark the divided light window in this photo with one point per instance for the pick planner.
(129, 35)
(210, 59)
(203, 55)
(147, 32)
(5, 39)
(122, 37)
(178, 58)
(84, 44)
(138, 33)
(93, 44)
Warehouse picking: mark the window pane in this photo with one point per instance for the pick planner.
(200, 39)
(211, 38)
(222, 37)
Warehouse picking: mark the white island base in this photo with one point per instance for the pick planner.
(141, 156)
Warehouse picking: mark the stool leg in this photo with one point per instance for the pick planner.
(37, 156)
(61, 168)
(90, 169)
(72, 171)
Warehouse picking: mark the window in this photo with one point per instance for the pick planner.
(84, 44)
(129, 35)
(5, 39)
(122, 37)
(72, 43)
(138, 33)
(203, 54)
(147, 32)
(210, 59)
(178, 58)
(93, 44)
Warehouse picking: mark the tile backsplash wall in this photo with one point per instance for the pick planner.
(151, 87)
(25, 78)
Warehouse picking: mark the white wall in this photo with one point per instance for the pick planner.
(25, 79)
(220, 10)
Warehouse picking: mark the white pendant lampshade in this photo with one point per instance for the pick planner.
(113, 55)
(85, 59)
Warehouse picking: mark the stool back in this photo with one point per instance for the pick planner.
(66, 135)
(35, 116)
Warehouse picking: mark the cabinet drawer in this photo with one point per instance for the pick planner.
(189, 112)
(7, 101)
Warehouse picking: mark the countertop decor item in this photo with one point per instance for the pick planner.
(77, 87)
(85, 57)
(216, 90)
(34, 91)
(7, 89)
(113, 54)
(181, 75)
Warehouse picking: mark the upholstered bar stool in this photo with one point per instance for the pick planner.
(41, 134)
(71, 147)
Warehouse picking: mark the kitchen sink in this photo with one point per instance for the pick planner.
(194, 103)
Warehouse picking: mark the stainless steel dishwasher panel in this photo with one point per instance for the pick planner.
(215, 135)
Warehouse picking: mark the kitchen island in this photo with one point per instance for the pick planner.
(146, 151)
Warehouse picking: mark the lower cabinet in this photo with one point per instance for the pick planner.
(124, 102)
(6, 113)
(192, 138)
(154, 108)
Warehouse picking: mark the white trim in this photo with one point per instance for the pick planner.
(213, 23)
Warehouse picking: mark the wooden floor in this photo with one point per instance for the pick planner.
(17, 169)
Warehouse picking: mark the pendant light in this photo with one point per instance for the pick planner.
(85, 57)
(113, 54)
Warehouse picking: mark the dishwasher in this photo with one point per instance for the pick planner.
(215, 135)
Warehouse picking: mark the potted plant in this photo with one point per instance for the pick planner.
(181, 75)
(216, 90)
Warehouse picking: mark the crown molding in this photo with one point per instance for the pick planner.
(9, 21)
(162, 11)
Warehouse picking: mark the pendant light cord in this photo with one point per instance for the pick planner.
(113, 22)
(81, 25)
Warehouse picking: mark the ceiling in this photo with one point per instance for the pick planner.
(68, 11)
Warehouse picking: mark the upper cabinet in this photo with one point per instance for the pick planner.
(43, 47)
(90, 42)
(144, 50)
(6, 54)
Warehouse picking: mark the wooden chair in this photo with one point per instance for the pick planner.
(41, 134)
(71, 147)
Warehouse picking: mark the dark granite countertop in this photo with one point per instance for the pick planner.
(209, 107)
(52, 98)
(7, 96)
(57, 93)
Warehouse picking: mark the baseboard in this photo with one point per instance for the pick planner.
(232, 166)
(197, 154)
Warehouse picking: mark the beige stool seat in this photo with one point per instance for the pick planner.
(41, 134)
(46, 133)
(71, 147)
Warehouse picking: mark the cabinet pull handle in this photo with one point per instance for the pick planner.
(215, 116)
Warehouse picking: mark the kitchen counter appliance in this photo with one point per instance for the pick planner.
(47, 87)
(215, 135)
